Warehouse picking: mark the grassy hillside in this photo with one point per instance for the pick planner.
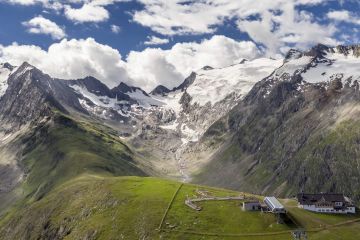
(93, 207)
(61, 148)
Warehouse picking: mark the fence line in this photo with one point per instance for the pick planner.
(169, 206)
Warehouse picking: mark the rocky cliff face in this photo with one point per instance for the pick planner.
(296, 130)
(24, 99)
(30, 95)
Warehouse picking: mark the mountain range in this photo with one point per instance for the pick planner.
(266, 126)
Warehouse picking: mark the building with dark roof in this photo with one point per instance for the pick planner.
(326, 203)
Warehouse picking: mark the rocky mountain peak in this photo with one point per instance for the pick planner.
(93, 85)
(27, 97)
(243, 61)
(160, 91)
(348, 50)
(7, 66)
(187, 82)
(293, 54)
(23, 69)
(319, 51)
(90, 80)
(124, 88)
(25, 65)
(207, 68)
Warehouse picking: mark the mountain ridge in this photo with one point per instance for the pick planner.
(264, 126)
(284, 132)
(174, 126)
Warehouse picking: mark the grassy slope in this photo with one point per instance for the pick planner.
(62, 148)
(93, 207)
(58, 204)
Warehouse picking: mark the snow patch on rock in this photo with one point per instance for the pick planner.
(215, 84)
(4, 75)
(342, 67)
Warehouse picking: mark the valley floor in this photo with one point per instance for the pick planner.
(93, 207)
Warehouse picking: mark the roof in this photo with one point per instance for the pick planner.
(310, 199)
(273, 202)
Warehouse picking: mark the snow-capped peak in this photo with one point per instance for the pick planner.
(5, 71)
(321, 64)
(344, 67)
(209, 93)
(213, 85)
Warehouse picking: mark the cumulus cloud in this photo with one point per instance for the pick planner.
(155, 66)
(41, 25)
(49, 4)
(344, 16)
(89, 10)
(290, 28)
(87, 13)
(71, 59)
(153, 40)
(174, 17)
(23, 2)
(276, 24)
(150, 68)
(198, 17)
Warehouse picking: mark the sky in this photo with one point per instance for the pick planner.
(151, 42)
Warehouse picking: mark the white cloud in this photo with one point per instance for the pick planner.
(155, 66)
(71, 59)
(344, 16)
(23, 2)
(89, 10)
(174, 17)
(288, 28)
(49, 4)
(284, 22)
(150, 68)
(115, 29)
(153, 40)
(339, 15)
(276, 24)
(198, 17)
(41, 25)
(87, 13)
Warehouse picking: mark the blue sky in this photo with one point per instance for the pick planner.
(131, 36)
(149, 29)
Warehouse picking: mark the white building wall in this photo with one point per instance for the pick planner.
(314, 208)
